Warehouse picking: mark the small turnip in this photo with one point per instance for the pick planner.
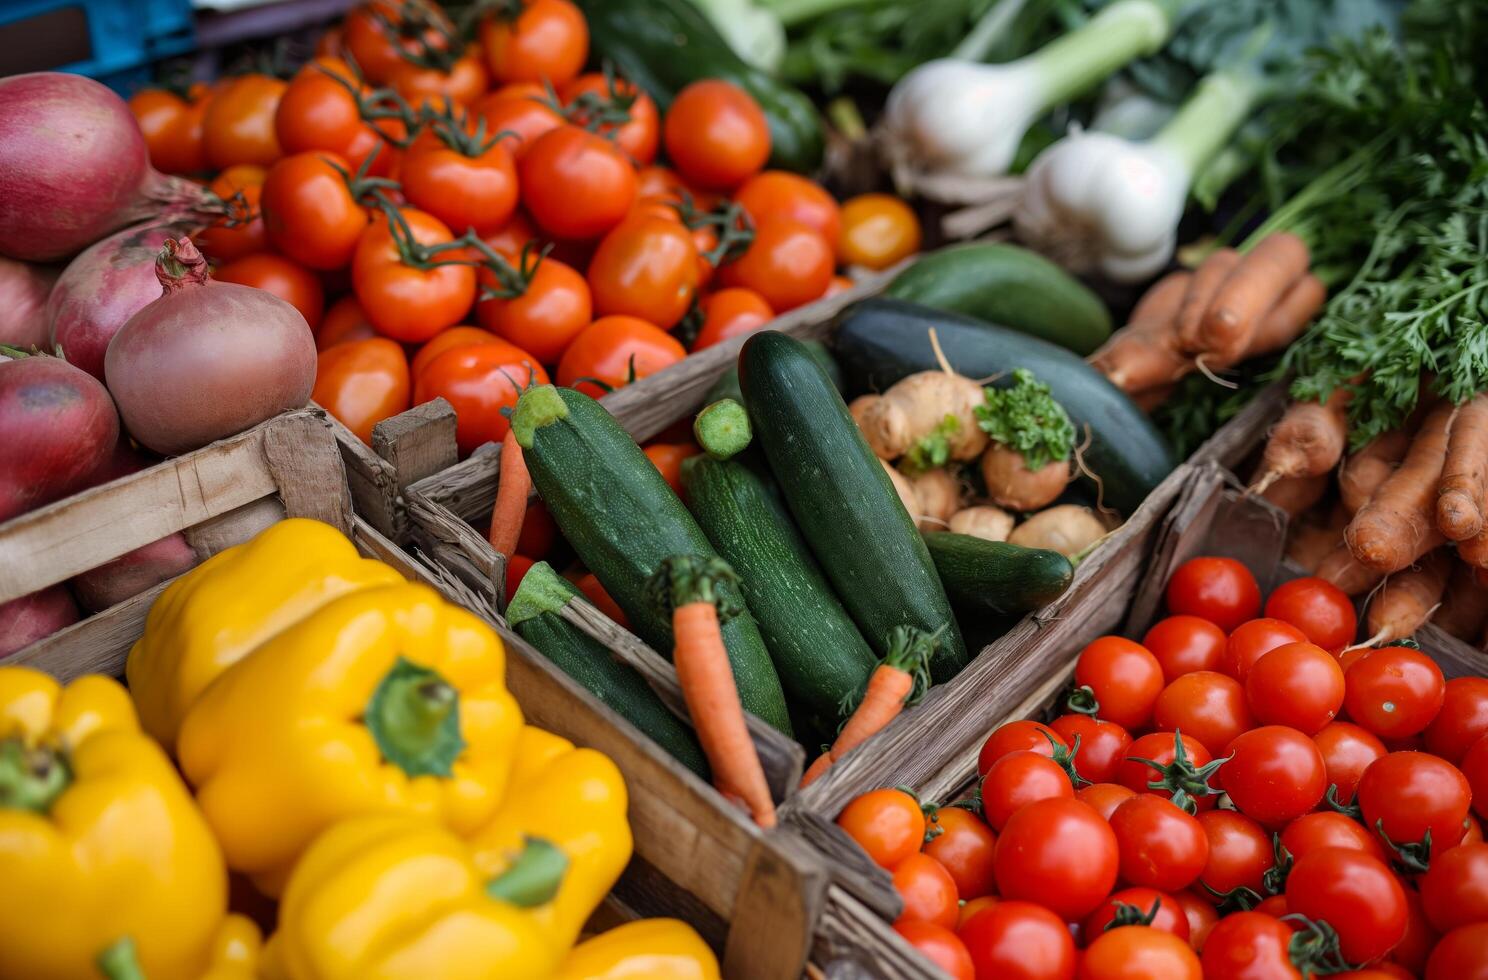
(1011, 484)
(983, 521)
(34, 617)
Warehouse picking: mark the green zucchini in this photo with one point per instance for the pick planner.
(535, 613)
(722, 429)
(623, 520)
(996, 578)
(818, 653)
(727, 385)
(665, 45)
(880, 341)
(842, 500)
(1010, 286)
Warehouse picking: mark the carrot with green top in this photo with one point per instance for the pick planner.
(688, 586)
(513, 486)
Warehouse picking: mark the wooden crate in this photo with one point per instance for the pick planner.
(405, 449)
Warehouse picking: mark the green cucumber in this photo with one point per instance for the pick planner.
(623, 520)
(818, 653)
(535, 613)
(727, 385)
(1010, 286)
(842, 500)
(880, 341)
(996, 578)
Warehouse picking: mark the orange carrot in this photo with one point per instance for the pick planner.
(1207, 279)
(1464, 480)
(1295, 494)
(1142, 355)
(1364, 471)
(1342, 569)
(513, 485)
(688, 585)
(1285, 321)
(1464, 607)
(905, 669)
(1309, 440)
(1386, 532)
(1408, 598)
(1262, 277)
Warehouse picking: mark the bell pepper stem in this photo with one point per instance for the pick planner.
(31, 778)
(534, 876)
(414, 717)
(119, 962)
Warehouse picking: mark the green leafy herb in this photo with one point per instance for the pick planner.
(1026, 417)
(934, 450)
(1198, 406)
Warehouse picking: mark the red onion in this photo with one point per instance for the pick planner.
(23, 295)
(33, 617)
(73, 167)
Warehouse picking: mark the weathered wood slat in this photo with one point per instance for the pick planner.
(406, 448)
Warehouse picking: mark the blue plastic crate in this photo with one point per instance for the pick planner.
(112, 40)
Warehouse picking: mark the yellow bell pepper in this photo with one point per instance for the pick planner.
(388, 699)
(235, 950)
(213, 615)
(648, 949)
(100, 843)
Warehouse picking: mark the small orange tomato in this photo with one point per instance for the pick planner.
(788, 263)
(240, 122)
(667, 457)
(448, 340)
(546, 40)
(309, 212)
(464, 190)
(512, 237)
(404, 302)
(465, 81)
(716, 134)
(877, 231)
(361, 383)
(965, 846)
(928, 891)
(781, 194)
(886, 823)
(553, 308)
(165, 120)
(521, 109)
(729, 313)
(417, 26)
(646, 267)
(639, 135)
(659, 183)
(940, 946)
(600, 599)
(617, 350)
(576, 184)
(479, 381)
(296, 285)
(240, 233)
(318, 110)
(344, 321)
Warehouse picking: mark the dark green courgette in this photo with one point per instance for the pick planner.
(727, 385)
(623, 520)
(842, 500)
(535, 613)
(997, 578)
(880, 341)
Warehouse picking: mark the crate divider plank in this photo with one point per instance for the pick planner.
(405, 448)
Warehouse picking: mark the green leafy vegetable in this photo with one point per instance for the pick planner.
(1026, 417)
(934, 450)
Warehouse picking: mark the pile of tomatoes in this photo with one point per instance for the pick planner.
(1234, 798)
(461, 211)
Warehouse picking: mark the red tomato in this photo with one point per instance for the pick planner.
(877, 231)
(928, 891)
(476, 190)
(1406, 795)
(716, 134)
(241, 232)
(1474, 830)
(600, 599)
(787, 263)
(730, 313)
(344, 321)
(1220, 590)
(576, 184)
(1253, 640)
(479, 381)
(1275, 906)
(275, 274)
(1140, 953)
(1207, 705)
(1395, 692)
(1462, 954)
(887, 823)
(1167, 770)
(966, 847)
(593, 95)
(448, 340)
(239, 124)
(1274, 775)
(940, 946)
(1240, 854)
(1185, 645)
(781, 194)
(646, 267)
(464, 82)
(1249, 946)
(1019, 941)
(512, 238)
(1320, 609)
(667, 458)
(617, 350)
(516, 570)
(1411, 952)
(1015, 736)
(1355, 894)
(538, 532)
(1058, 853)
(1454, 890)
(1462, 720)
(1104, 798)
(1161, 846)
(547, 41)
(1349, 657)
(1102, 745)
(1018, 779)
(553, 308)
(1136, 907)
(320, 111)
(361, 383)
(1328, 828)
(1298, 685)
(968, 909)
(526, 115)
(309, 213)
(1347, 751)
(1201, 915)
(1122, 677)
(1475, 768)
(416, 26)
(404, 302)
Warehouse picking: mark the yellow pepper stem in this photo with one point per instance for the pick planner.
(414, 716)
(534, 877)
(31, 778)
(119, 962)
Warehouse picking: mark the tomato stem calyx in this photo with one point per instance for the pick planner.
(1187, 783)
(1082, 701)
(1314, 948)
(1411, 857)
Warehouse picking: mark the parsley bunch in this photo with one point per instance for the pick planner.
(1026, 417)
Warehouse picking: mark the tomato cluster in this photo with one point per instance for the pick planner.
(1237, 797)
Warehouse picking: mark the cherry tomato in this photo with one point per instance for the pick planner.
(1140, 953)
(511, 238)
(1202, 918)
(1104, 798)
(517, 567)
(877, 231)
(1018, 779)
(239, 233)
(448, 340)
(1355, 894)
(1161, 846)
(239, 125)
(1298, 685)
(1250, 641)
(361, 383)
(1454, 890)
(887, 823)
(1249, 946)
(594, 95)
(787, 263)
(968, 909)
(600, 599)
(645, 267)
(1161, 748)
(319, 110)
(479, 381)
(173, 129)
(1205, 704)
(1347, 751)
(1349, 657)
(538, 531)
(1220, 590)
(1274, 775)
(404, 302)
(940, 946)
(1411, 952)
(576, 184)
(617, 350)
(1462, 720)
(1136, 907)
(1016, 736)
(966, 847)
(275, 274)
(1103, 745)
(309, 213)
(1019, 941)
(547, 41)
(1058, 853)
(1475, 768)
(1274, 906)
(464, 82)
(1395, 692)
(1474, 830)
(1240, 854)
(781, 194)
(1461, 954)
(1318, 608)
(667, 457)
(343, 322)
(1123, 679)
(1185, 645)
(716, 134)
(477, 190)
(553, 308)
(731, 313)
(1328, 828)
(417, 26)
(928, 891)
(526, 116)
(1406, 795)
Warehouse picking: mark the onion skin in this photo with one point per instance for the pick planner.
(24, 289)
(34, 617)
(57, 427)
(207, 359)
(74, 167)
